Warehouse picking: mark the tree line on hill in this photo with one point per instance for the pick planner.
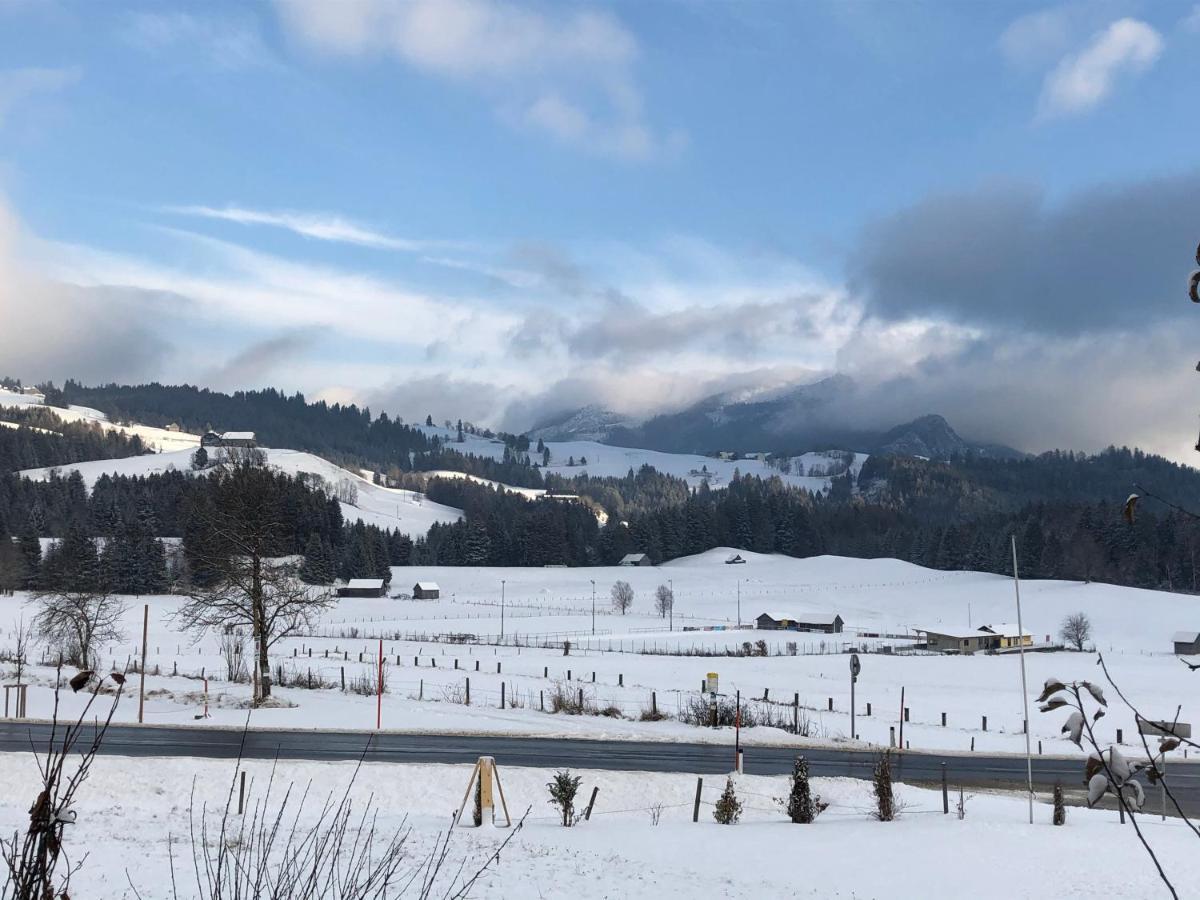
(124, 519)
(46, 440)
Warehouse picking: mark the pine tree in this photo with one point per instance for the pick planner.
(729, 807)
(1060, 808)
(801, 807)
(885, 800)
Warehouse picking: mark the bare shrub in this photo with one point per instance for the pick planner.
(32, 862)
(234, 655)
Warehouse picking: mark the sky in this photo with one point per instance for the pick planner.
(497, 211)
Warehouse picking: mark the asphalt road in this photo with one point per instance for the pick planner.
(975, 770)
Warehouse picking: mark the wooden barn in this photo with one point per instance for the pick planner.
(228, 439)
(362, 587)
(426, 590)
(1187, 643)
(635, 559)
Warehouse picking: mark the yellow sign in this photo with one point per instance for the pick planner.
(710, 682)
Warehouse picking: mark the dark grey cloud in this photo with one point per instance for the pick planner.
(54, 331)
(254, 364)
(630, 333)
(1107, 257)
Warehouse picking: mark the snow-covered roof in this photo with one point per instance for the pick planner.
(809, 618)
(953, 631)
(1006, 629)
(632, 557)
(364, 584)
(428, 585)
(237, 436)
(1186, 637)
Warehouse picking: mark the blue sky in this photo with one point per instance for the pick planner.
(495, 210)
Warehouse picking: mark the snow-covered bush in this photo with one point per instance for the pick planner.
(729, 807)
(1060, 808)
(563, 789)
(801, 804)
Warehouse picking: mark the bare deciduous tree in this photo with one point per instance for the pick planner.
(622, 596)
(1076, 630)
(664, 600)
(76, 619)
(235, 542)
(347, 492)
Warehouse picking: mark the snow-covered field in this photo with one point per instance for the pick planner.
(604, 460)
(405, 511)
(427, 677)
(158, 439)
(127, 814)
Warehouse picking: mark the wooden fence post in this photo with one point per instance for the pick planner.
(587, 816)
(696, 806)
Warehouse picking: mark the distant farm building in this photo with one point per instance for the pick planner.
(635, 559)
(34, 394)
(426, 590)
(1187, 643)
(828, 623)
(736, 560)
(228, 439)
(174, 426)
(362, 587)
(986, 637)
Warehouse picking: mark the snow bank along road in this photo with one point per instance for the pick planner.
(969, 770)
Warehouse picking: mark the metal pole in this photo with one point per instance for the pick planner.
(501, 610)
(379, 693)
(739, 601)
(671, 608)
(853, 732)
(1024, 687)
(142, 684)
(593, 606)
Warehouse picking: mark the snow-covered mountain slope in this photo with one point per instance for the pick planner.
(591, 423)
(606, 460)
(158, 439)
(405, 511)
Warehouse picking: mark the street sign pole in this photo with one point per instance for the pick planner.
(855, 668)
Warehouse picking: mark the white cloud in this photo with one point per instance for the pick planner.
(1039, 37)
(1191, 22)
(321, 226)
(1084, 79)
(567, 71)
(20, 85)
(231, 43)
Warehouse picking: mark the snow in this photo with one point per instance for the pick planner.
(406, 511)
(158, 439)
(628, 654)
(605, 460)
(128, 811)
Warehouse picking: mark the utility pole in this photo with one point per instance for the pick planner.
(1024, 687)
(593, 581)
(502, 610)
(142, 684)
(739, 602)
(671, 608)
(855, 668)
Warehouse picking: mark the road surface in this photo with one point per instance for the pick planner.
(973, 770)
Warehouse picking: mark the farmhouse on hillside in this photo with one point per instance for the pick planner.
(986, 637)
(228, 439)
(1187, 643)
(635, 559)
(426, 590)
(34, 394)
(828, 623)
(362, 587)
(736, 560)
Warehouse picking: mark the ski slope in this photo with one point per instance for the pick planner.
(406, 511)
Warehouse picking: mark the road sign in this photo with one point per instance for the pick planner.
(710, 682)
(855, 665)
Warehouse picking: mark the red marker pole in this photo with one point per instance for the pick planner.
(379, 693)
